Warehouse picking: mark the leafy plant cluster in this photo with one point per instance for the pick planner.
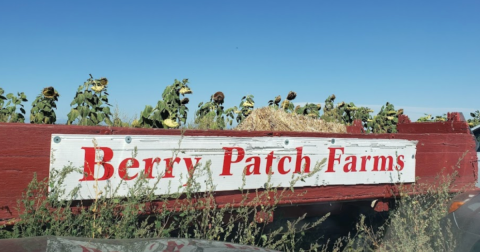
(345, 113)
(90, 107)
(90, 104)
(386, 120)
(213, 115)
(472, 122)
(183, 213)
(43, 107)
(170, 112)
(430, 118)
(245, 108)
(475, 120)
(8, 110)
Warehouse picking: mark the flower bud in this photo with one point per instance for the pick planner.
(170, 123)
(291, 95)
(97, 88)
(277, 99)
(218, 97)
(103, 81)
(50, 93)
(332, 97)
(185, 90)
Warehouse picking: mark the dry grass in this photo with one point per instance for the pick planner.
(270, 119)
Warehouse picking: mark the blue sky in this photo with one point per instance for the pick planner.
(423, 56)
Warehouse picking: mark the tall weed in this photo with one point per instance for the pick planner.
(184, 213)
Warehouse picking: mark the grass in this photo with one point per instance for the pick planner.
(417, 220)
(183, 213)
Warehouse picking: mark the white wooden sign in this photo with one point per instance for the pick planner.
(167, 162)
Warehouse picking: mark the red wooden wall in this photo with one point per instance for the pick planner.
(25, 150)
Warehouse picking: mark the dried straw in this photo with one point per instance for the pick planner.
(270, 119)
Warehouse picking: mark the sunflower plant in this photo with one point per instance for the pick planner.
(8, 111)
(275, 103)
(386, 120)
(245, 108)
(170, 112)
(363, 114)
(332, 113)
(287, 104)
(90, 104)
(346, 113)
(43, 107)
(213, 115)
(310, 109)
(350, 113)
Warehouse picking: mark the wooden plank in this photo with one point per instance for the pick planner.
(26, 149)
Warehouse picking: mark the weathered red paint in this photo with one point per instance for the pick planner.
(441, 146)
(381, 206)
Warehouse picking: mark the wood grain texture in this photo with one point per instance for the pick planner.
(441, 146)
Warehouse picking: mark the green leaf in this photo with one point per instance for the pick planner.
(147, 111)
(161, 105)
(108, 121)
(71, 117)
(80, 98)
(88, 95)
(106, 110)
(100, 117)
(157, 116)
(84, 112)
(39, 118)
(93, 117)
